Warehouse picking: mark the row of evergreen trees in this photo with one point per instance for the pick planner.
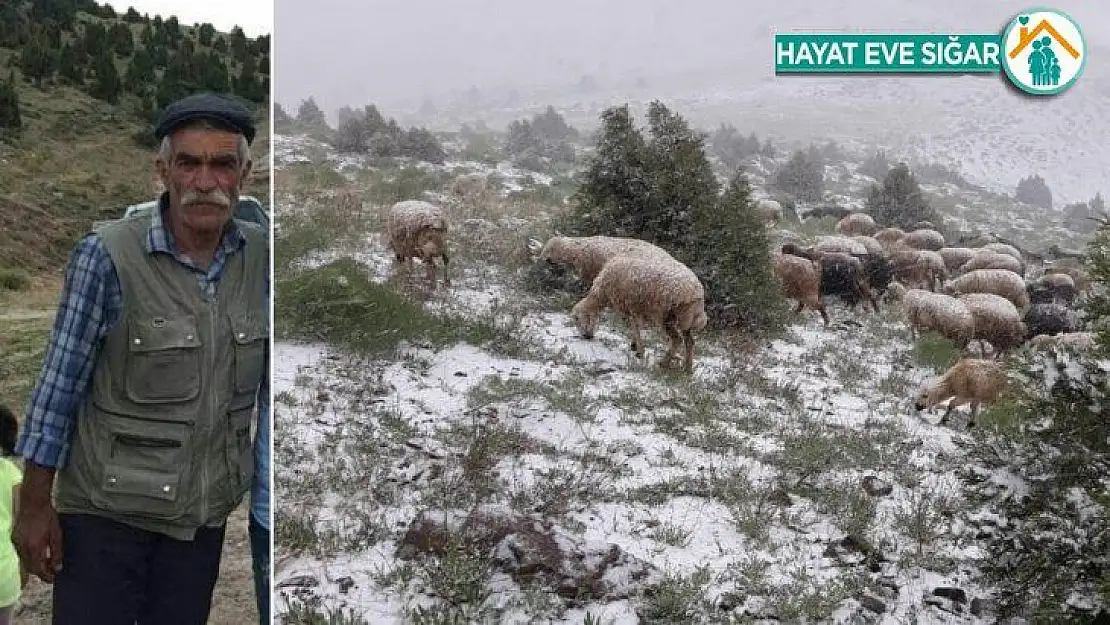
(153, 61)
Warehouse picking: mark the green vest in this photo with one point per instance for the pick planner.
(162, 441)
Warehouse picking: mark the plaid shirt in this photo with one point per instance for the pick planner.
(90, 307)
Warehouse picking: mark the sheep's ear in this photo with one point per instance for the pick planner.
(534, 245)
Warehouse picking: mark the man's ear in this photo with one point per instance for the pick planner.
(163, 171)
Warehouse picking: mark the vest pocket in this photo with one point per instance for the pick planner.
(251, 339)
(163, 360)
(240, 451)
(145, 466)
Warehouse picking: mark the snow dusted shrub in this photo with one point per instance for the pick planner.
(1051, 556)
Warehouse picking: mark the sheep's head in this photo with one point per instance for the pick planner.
(431, 242)
(585, 319)
(948, 288)
(558, 250)
(929, 396)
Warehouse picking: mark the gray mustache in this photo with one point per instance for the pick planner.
(217, 197)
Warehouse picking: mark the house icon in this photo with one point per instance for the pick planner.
(1025, 37)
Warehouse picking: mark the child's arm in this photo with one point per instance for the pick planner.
(15, 512)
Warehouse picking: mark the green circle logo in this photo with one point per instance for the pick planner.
(1043, 51)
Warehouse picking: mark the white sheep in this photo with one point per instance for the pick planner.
(653, 289)
(919, 267)
(418, 229)
(467, 186)
(974, 381)
(589, 254)
(944, 314)
(1005, 248)
(856, 223)
(838, 244)
(800, 279)
(998, 281)
(924, 239)
(889, 236)
(1082, 341)
(990, 259)
(770, 211)
(874, 248)
(955, 257)
(997, 321)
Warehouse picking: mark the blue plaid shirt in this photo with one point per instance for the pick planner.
(90, 307)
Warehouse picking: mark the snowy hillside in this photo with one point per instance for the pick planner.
(557, 480)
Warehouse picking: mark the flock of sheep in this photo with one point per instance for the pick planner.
(978, 291)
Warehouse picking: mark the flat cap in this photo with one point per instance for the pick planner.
(219, 109)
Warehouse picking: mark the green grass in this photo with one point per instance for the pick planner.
(935, 351)
(23, 346)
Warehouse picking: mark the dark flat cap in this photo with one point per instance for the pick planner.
(218, 109)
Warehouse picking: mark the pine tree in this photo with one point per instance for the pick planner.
(802, 176)
(140, 72)
(70, 68)
(205, 34)
(664, 191)
(107, 85)
(900, 202)
(10, 119)
(1033, 190)
(36, 61)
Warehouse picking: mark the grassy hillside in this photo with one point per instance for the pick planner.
(79, 147)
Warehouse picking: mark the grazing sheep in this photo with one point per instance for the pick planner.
(919, 267)
(1082, 341)
(1073, 268)
(879, 271)
(889, 236)
(989, 259)
(874, 248)
(800, 280)
(797, 250)
(1051, 319)
(589, 254)
(895, 292)
(955, 257)
(924, 239)
(418, 229)
(998, 281)
(1052, 287)
(1004, 248)
(997, 321)
(466, 186)
(944, 314)
(856, 224)
(974, 381)
(839, 244)
(845, 276)
(770, 211)
(653, 289)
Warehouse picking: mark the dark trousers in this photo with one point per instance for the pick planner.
(260, 560)
(114, 574)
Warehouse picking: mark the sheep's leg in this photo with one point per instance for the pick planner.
(951, 406)
(688, 341)
(824, 313)
(674, 340)
(637, 341)
(974, 413)
(446, 261)
(429, 270)
(799, 307)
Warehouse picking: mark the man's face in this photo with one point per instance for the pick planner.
(203, 177)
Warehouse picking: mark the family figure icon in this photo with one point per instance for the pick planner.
(1044, 67)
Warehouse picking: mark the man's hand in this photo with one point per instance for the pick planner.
(37, 535)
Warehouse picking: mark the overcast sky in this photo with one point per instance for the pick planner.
(255, 17)
(352, 52)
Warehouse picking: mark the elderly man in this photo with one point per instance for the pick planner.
(141, 416)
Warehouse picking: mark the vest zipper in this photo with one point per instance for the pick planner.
(189, 422)
(213, 327)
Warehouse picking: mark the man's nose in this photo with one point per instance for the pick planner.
(205, 179)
